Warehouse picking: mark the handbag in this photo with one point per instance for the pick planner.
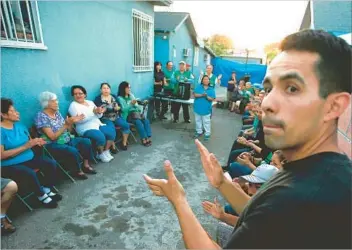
(135, 116)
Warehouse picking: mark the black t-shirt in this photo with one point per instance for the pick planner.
(158, 77)
(260, 137)
(306, 205)
(230, 87)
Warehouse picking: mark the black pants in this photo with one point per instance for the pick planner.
(160, 106)
(176, 106)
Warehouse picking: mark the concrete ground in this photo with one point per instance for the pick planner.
(114, 209)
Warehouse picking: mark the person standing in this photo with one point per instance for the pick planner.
(204, 96)
(159, 81)
(213, 78)
(184, 76)
(168, 86)
(230, 88)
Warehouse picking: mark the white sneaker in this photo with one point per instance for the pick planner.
(108, 154)
(104, 158)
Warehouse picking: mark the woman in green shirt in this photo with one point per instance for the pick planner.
(132, 112)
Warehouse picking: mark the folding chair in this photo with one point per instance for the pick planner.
(133, 131)
(34, 134)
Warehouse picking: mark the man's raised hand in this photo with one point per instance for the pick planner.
(170, 188)
(211, 166)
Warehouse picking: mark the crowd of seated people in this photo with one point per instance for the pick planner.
(87, 133)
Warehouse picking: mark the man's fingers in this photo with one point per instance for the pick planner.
(169, 170)
(202, 150)
(155, 182)
(214, 161)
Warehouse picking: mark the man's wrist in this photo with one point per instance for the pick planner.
(180, 202)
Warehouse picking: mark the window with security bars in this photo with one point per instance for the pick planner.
(20, 24)
(143, 32)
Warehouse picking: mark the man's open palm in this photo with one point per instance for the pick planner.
(211, 166)
(170, 188)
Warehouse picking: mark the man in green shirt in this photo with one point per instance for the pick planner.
(169, 86)
(182, 75)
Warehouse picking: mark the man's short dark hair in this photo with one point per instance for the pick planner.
(334, 67)
(78, 87)
(6, 103)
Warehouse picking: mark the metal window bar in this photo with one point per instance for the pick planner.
(12, 19)
(4, 24)
(21, 19)
(30, 20)
(7, 16)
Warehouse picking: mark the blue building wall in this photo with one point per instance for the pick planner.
(88, 43)
(333, 15)
(161, 48)
(180, 40)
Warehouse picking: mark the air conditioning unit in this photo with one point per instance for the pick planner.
(206, 57)
(186, 52)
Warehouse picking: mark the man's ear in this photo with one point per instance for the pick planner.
(335, 105)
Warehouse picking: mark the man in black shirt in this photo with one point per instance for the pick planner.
(308, 203)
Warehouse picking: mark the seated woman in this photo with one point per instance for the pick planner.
(133, 113)
(18, 160)
(103, 135)
(112, 113)
(55, 130)
(8, 191)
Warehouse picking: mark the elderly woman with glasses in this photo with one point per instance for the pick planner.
(103, 135)
(55, 130)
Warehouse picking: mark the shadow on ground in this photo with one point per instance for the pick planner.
(114, 209)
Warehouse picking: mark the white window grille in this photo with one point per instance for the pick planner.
(196, 56)
(143, 41)
(20, 25)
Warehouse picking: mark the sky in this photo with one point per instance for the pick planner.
(250, 24)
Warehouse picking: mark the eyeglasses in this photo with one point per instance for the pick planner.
(81, 93)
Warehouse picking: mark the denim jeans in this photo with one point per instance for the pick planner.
(143, 128)
(70, 152)
(25, 172)
(236, 170)
(99, 137)
(123, 124)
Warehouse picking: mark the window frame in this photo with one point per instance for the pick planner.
(139, 15)
(36, 30)
(196, 56)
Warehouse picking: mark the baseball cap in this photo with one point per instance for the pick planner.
(182, 62)
(261, 174)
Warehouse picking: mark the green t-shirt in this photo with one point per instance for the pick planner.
(169, 74)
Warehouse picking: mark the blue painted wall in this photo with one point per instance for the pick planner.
(180, 40)
(161, 48)
(333, 15)
(88, 43)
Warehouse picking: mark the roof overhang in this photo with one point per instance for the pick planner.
(162, 2)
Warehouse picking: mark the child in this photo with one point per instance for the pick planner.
(204, 96)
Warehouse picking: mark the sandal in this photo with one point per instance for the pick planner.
(89, 170)
(81, 176)
(145, 143)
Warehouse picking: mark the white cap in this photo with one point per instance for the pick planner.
(182, 62)
(261, 174)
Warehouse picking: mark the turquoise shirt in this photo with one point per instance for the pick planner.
(127, 107)
(202, 106)
(169, 75)
(14, 138)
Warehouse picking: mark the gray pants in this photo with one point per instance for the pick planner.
(223, 233)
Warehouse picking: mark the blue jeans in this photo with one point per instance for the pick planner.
(25, 172)
(143, 128)
(236, 170)
(71, 151)
(123, 124)
(105, 133)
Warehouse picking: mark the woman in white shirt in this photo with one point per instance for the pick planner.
(91, 127)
